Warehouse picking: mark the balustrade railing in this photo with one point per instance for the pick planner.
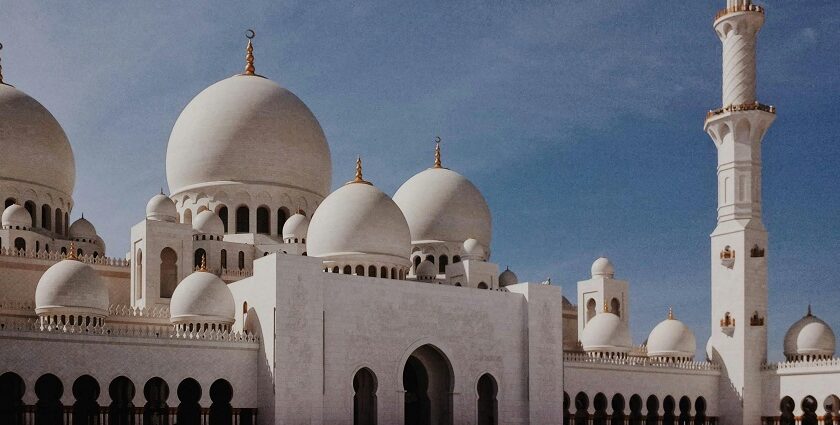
(28, 415)
(739, 8)
(590, 419)
(57, 256)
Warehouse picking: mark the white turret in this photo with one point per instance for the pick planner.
(738, 243)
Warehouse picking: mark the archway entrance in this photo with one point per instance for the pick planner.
(428, 384)
(488, 406)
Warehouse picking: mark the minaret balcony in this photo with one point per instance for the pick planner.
(739, 8)
(755, 106)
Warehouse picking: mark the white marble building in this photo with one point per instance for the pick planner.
(251, 294)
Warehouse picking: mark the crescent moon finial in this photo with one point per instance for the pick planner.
(250, 34)
(249, 53)
(437, 153)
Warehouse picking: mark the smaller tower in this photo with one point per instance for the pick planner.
(603, 292)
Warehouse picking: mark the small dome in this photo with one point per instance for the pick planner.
(83, 229)
(248, 130)
(426, 270)
(202, 298)
(35, 149)
(296, 227)
(671, 338)
(603, 267)
(358, 220)
(474, 250)
(442, 205)
(508, 278)
(606, 333)
(71, 287)
(809, 337)
(161, 208)
(208, 223)
(16, 216)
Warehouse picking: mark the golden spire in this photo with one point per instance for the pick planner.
(606, 308)
(71, 254)
(437, 153)
(203, 267)
(670, 313)
(249, 55)
(359, 178)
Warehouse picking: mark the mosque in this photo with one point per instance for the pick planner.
(251, 294)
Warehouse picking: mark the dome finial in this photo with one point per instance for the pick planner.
(437, 153)
(809, 311)
(249, 55)
(359, 178)
(203, 267)
(71, 254)
(606, 308)
(670, 313)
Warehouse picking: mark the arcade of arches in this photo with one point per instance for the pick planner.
(49, 409)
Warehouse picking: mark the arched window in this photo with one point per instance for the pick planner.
(456, 259)
(9, 202)
(581, 409)
(615, 307)
(80, 252)
(383, 272)
(86, 392)
(221, 393)
(600, 404)
(121, 409)
(188, 216)
(222, 212)
(372, 271)
(482, 285)
(364, 397)
(46, 217)
(59, 220)
(263, 220)
(30, 206)
(200, 254)
(590, 309)
(335, 269)
(431, 258)
(282, 216)
(243, 220)
(37, 246)
(12, 389)
(156, 411)
(360, 270)
(49, 409)
(189, 411)
(20, 244)
(442, 263)
(417, 260)
(241, 261)
(168, 272)
(138, 278)
(223, 255)
(393, 272)
(347, 270)
(488, 406)
(66, 223)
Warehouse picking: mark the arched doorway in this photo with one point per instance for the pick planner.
(86, 392)
(364, 397)
(488, 405)
(156, 411)
(428, 383)
(48, 408)
(189, 411)
(221, 411)
(121, 410)
(786, 407)
(809, 410)
(12, 389)
(243, 220)
(168, 272)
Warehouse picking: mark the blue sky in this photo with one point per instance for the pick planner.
(581, 122)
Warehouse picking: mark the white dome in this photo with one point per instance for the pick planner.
(442, 205)
(200, 298)
(296, 227)
(606, 333)
(161, 208)
(359, 220)
(71, 287)
(35, 148)
(809, 336)
(426, 270)
(474, 250)
(83, 229)
(508, 278)
(603, 267)
(207, 222)
(16, 216)
(671, 338)
(248, 130)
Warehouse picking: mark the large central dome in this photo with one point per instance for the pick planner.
(35, 148)
(248, 130)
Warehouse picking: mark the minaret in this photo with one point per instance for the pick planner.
(739, 242)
